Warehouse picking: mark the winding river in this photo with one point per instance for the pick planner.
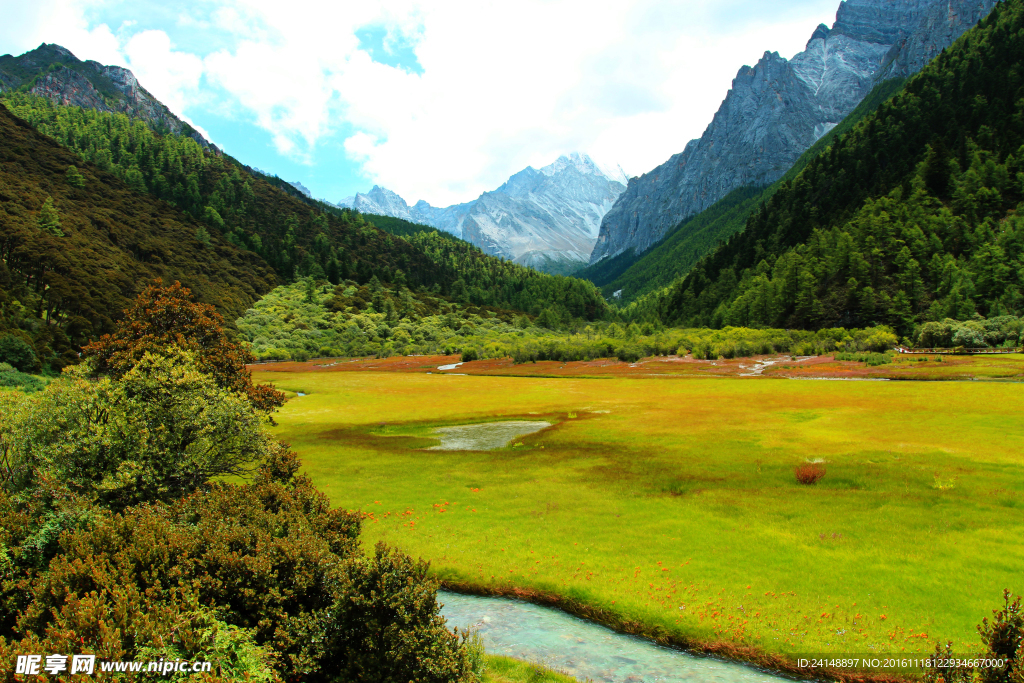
(584, 649)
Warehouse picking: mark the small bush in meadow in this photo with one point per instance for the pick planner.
(809, 473)
(870, 358)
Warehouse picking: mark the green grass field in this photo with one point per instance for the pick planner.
(670, 507)
(508, 670)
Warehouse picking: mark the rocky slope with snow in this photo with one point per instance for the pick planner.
(778, 108)
(545, 218)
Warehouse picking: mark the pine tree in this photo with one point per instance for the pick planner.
(75, 179)
(49, 219)
(203, 236)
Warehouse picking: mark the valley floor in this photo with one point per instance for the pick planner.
(1004, 367)
(670, 508)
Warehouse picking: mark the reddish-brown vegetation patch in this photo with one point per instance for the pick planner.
(809, 473)
(777, 366)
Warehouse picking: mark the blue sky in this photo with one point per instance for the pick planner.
(436, 101)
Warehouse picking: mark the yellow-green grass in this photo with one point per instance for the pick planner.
(994, 366)
(507, 670)
(671, 507)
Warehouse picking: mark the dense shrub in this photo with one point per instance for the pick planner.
(264, 578)
(630, 353)
(360, 639)
(11, 378)
(16, 352)
(979, 333)
(1004, 638)
(115, 541)
(882, 340)
(809, 473)
(159, 432)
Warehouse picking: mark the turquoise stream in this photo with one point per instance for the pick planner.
(581, 648)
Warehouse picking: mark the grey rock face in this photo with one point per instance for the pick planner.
(58, 75)
(536, 216)
(778, 108)
(380, 201)
(942, 24)
(301, 188)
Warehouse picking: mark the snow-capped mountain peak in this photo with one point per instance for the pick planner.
(587, 166)
(541, 218)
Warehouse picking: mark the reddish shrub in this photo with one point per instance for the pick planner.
(161, 317)
(809, 473)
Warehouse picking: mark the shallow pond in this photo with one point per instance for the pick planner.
(486, 436)
(581, 648)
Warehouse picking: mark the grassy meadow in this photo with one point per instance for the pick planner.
(670, 507)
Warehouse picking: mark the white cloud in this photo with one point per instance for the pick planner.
(26, 25)
(172, 77)
(503, 85)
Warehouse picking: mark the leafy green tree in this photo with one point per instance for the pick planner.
(212, 218)
(549, 319)
(49, 219)
(159, 432)
(310, 288)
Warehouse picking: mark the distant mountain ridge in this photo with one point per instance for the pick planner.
(53, 72)
(544, 218)
(779, 108)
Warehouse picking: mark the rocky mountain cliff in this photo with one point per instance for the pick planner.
(301, 188)
(942, 24)
(53, 72)
(778, 108)
(544, 218)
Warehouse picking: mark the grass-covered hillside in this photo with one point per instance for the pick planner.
(910, 217)
(76, 244)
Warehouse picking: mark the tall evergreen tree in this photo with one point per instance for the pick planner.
(49, 219)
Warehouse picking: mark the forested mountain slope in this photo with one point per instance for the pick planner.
(248, 210)
(632, 276)
(911, 216)
(247, 217)
(779, 108)
(76, 246)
